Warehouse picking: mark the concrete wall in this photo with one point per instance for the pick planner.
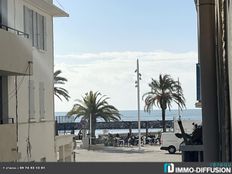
(41, 140)
(8, 143)
(41, 129)
(64, 148)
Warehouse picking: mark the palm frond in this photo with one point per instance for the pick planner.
(59, 91)
(96, 105)
(163, 92)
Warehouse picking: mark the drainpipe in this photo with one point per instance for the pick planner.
(207, 59)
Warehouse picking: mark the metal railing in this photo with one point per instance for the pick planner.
(65, 119)
(20, 33)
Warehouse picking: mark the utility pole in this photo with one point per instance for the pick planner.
(179, 101)
(138, 95)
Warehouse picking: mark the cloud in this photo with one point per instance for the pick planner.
(87, 58)
(112, 73)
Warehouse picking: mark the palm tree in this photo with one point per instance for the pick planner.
(59, 91)
(96, 105)
(163, 92)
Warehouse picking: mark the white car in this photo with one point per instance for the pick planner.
(170, 142)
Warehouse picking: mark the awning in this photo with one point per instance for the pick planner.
(48, 8)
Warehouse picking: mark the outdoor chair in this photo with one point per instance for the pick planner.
(121, 142)
(127, 142)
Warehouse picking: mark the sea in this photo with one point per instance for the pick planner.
(132, 115)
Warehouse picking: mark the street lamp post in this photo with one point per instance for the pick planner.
(138, 95)
(179, 101)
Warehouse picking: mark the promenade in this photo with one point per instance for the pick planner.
(126, 154)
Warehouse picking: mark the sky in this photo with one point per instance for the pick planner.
(98, 45)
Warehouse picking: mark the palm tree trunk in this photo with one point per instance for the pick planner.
(146, 129)
(93, 130)
(163, 120)
(130, 128)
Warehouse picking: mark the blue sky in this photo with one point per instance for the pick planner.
(122, 25)
(97, 46)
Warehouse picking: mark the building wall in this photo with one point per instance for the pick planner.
(64, 148)
(40, 131)
(229, 39)
(50, 1)
(8, 148)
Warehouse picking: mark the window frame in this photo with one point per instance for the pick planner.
(38, 27)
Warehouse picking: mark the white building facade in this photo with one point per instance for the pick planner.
(27, 125)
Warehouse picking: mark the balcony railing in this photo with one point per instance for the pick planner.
(20, 33)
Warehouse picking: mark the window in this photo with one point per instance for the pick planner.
(34, 29)
(31, 99)
(3, 12)
(41, 100)
(41, 31)
(28, 21)
(4, 101)
(35, 26)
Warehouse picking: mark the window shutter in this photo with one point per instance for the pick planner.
(28, 22)
(35, 26)
(44, 33)
(41, 31)
(35, 29)
(31, 99)
(42, 99)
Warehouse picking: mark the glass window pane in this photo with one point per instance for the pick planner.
(42, 100)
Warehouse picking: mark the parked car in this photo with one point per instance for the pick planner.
(170, 142)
